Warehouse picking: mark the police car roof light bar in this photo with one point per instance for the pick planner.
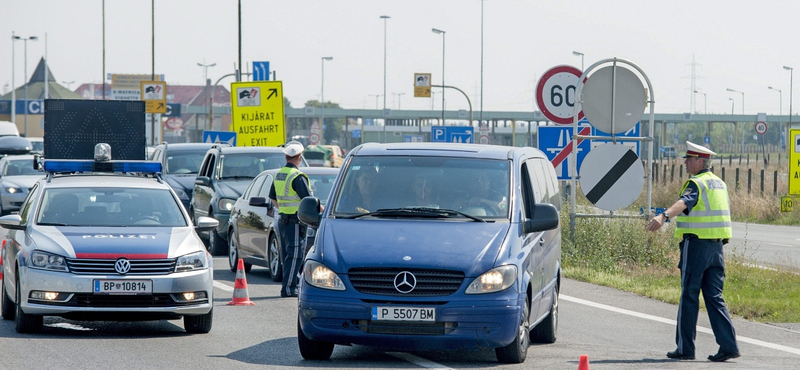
(61, 166)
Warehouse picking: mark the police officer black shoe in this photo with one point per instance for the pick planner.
(723, 356)
(679, 356)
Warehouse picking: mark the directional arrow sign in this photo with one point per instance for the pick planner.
(257, 113)
(612, 176)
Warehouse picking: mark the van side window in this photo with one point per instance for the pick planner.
(528, 196)
(538, 180)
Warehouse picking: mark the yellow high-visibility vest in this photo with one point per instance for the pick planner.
(710, 218)
(288, 200)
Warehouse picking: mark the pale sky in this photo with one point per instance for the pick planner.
(741, 45)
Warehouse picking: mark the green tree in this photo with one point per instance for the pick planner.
(332, 127)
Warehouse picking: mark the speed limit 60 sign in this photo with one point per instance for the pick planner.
(555, 93)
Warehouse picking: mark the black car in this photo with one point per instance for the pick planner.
(181, 161)
(225, 173)
(253, 225)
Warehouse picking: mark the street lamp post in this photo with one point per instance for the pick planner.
(13, 85)
(383, 113)
(577, 53)
(399, 95)
(705, 107)
(731, 99)
(25, 47)
(322, 94)
(740, 92)
(68, 83)
(206, 103)
(780, 97)
(377, 97)
(440, 32)
(791, 85)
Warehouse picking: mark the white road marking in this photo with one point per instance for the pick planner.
(66, 325)
(701, 329)
(223, 286)
(419, 361)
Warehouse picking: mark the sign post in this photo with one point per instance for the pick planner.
(555, 93)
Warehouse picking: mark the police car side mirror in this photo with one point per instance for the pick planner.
(308, 212)
(206, 224)
(545, 217)
(259, 202)
(12, 222)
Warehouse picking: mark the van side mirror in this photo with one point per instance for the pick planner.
(308, 212)
(202, 180)
(545, 217)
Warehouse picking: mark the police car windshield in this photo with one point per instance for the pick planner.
(321, 186)
(476, 187)
(249, 165)
(115, 207)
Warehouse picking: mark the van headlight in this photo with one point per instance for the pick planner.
(47, 261)
(226, 205)
(192, 262)
(494, 280)
(320, 276)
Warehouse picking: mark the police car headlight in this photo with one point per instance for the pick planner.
(47, 261)
(191, 262)
(494, 280)
(225, 204)
(320, 276)
(13, 190)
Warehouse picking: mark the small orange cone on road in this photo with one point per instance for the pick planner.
(240, 295)
(584, 364)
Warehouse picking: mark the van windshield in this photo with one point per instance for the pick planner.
(475, 186)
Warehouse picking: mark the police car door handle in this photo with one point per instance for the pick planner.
(541, 242)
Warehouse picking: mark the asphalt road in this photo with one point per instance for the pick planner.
(767, 245)
(617, 330)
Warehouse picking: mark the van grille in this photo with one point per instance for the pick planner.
(380, 281)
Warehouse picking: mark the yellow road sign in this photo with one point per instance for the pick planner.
(154, 94)
(786, 203)
(794, 162)
(257, 113)
(422, 85)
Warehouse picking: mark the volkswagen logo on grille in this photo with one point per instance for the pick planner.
(122, 266)
(405, 282)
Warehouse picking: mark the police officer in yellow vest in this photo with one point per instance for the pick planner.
(703, 221)
(289, 187)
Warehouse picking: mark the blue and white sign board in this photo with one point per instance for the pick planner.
(219, 137)
(260, 71)
(414, 138)
(707, 140)
(33, 106)
(356, 134)
(556, 143)
(173, 110)
(632, 132)
(451, 134)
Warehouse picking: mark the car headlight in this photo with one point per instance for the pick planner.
(225, 204)
(13, 190)
(192, 261)
(320, 276)
(494, 280)
(47, 261)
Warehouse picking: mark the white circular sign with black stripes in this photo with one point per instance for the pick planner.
(611, 176)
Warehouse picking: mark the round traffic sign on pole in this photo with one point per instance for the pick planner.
(761, 128)
(612, 176)
(313, 139)
(615, 95)
(555, 93)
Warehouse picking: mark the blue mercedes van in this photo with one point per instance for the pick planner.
(434, 246)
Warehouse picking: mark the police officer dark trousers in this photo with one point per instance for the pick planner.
(703, 222)
(290, 186)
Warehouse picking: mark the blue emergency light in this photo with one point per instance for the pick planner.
(61, 166)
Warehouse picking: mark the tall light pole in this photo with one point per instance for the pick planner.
(579, 54)
(480, 119)
(731, 99)
(705, 107)
(322, 95)
(740, 92)
(780, 97)
(13, 85)
(206, 103)
(398, 95)
(791, 85)
(68, 83)
(440, 32)
(25, 111)
(383, 113)
(377, 96)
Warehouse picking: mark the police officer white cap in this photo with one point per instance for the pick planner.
(694, 150)
(293, 148)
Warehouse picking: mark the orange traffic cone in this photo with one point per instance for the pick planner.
(240, 295)
(584, 364)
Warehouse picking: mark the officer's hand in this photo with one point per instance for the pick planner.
(655, 223)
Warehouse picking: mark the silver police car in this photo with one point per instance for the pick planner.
(105, 240)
